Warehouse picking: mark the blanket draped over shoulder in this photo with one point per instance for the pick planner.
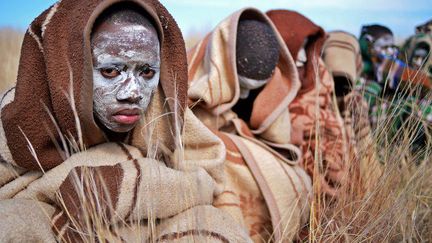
(317, 126)
(265, 190)
(60, 177)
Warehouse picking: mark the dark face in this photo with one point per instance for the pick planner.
(257, 54)
(126, 65)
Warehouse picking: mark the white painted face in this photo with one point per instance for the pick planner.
(126, 70)
(385, 46)
(248, 84)
(419, 57)
(302, 55)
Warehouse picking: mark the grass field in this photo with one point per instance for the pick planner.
(10, 46)
(398, 208)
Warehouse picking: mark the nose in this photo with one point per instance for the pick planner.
(130, 91)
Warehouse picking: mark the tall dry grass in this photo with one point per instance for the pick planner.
(397, 208)
(10, 48)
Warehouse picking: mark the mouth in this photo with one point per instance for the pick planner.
(127, 116)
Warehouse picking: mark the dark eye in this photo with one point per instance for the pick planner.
(147, 72)
(110, 72)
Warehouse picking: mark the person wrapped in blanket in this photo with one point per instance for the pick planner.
(96, 141)
(396, 90)
(417, 52)
(242, 80)
(341, 54)
(318, 127)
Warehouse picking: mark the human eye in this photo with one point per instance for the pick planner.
(147, 72)
(109, 72)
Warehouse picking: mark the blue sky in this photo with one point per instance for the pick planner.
(201, 15)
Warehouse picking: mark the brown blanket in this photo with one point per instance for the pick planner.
(157, 184)
(265, 190)
(317, 126)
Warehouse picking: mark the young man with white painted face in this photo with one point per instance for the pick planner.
(376, 42)
(122, 63)
(419, 56)
(126, 64)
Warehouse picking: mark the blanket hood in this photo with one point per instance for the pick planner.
(341, 54)
(296, 30)
(214, 84)
(425, 41)
(55, 79)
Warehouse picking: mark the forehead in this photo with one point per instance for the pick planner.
(124, 34)
(386, 39)
(117, 38)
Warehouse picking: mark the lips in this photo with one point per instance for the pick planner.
(127, 116)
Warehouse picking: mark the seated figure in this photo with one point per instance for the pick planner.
(341, 54)
(395, 88)
(96, 141)
(417, 51)
(317, 126)
(242, 80)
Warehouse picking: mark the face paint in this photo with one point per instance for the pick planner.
(302, 56)
(126, 63)
(385, 47)
(419, 58)
(247, 84)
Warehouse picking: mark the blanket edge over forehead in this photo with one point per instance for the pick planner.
(54, 83)
(341, 54)
(296, 29)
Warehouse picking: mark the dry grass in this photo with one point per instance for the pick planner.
(398, 208)
(10, 48)
(395, 208)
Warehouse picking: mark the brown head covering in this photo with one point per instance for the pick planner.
(56, 62)
(296, 29)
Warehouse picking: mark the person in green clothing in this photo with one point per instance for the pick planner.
(384, 81)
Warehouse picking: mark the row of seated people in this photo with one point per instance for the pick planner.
(228, 142)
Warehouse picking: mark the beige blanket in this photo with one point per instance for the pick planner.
(265, 190)
(113, 189)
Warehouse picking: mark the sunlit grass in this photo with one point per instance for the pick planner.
(10, 47)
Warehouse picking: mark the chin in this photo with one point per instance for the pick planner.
(112, 126)
(119, 128)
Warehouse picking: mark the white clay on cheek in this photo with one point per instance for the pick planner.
(131, 51)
